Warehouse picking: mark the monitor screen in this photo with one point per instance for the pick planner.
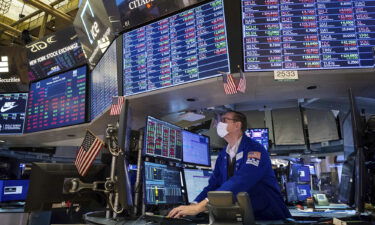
(163, 139)
(54, 53)
(162, 184)
(259, 135)
(196, 149)
(303, 191)
(186, 47)
(57, 101)
(299, 173)
(103, 82)
(195, 180)
(307, 34)
(13, 190)
(12, 112)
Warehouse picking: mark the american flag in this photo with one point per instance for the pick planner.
(229, 85)
(117, 103)
(88, 151)
(242, 84)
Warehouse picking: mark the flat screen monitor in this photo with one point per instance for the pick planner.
(13, 190)
(162, 184)
(186, 47)
(303, 191)
(196, 149)
(259, 135)
(163, 140)
(57, 101)
(103, 82)
(12, 112)
(196, 180)
(307, 35)
(299, 173)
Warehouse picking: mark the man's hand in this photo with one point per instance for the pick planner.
(188, 210)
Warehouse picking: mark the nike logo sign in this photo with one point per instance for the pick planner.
(7, 108)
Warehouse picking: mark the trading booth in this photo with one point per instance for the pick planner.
(149, 80)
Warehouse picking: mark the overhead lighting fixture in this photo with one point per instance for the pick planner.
(191, 116)
(2, 141)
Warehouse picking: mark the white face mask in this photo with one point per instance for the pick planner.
(222, 129)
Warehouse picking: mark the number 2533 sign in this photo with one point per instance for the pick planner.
(285, 75)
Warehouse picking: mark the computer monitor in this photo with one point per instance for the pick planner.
(303, 191)
(13, 190)
(196, 149)
(163, 140)
(195, 181)
(47, 186)
(259, 135)
(299, 173)
(162, 184)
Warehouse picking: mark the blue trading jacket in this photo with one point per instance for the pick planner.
(253, 174)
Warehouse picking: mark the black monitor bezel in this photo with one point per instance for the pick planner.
(268, 131)
(144, 154)
(86, 98)
(184, 180)
(208, 150)
(164, 205)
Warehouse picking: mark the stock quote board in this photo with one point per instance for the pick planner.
(185, 47)
(308, 34)
(57, 101)
(12, 112)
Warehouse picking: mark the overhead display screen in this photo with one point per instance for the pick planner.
(57, 101)
(12, 112)
(54, 53)
(186, 47)
(103, 82)
(308, 34)
(94, 30)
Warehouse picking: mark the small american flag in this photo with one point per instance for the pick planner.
(242, 84)
(117, 103)
(88, 151)
(229, 85)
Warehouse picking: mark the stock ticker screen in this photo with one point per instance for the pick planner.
(308, 34)
(103, 82)
(182, 48)
(259, 135)
(12, 112)
(57, 101)
(162, 184)
(163, 139)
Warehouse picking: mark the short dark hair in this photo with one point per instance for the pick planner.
(240, 117)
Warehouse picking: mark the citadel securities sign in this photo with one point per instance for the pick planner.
(125, 14)
(13, 69)
(138, 3)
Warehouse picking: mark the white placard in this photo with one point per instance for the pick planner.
(285, 75)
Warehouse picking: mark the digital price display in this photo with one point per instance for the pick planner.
(308, 34)
(186, 47)
(12, 112)
(103, 82)
(57, 101)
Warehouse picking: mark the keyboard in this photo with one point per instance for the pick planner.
(163, 220)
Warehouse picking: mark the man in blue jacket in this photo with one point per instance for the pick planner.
(243, 166)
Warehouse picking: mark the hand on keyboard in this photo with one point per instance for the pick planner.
(165, 220)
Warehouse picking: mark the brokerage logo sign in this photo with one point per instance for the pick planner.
(40, 45)
(4, 64)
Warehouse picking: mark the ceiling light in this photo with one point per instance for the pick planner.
(2, 141)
